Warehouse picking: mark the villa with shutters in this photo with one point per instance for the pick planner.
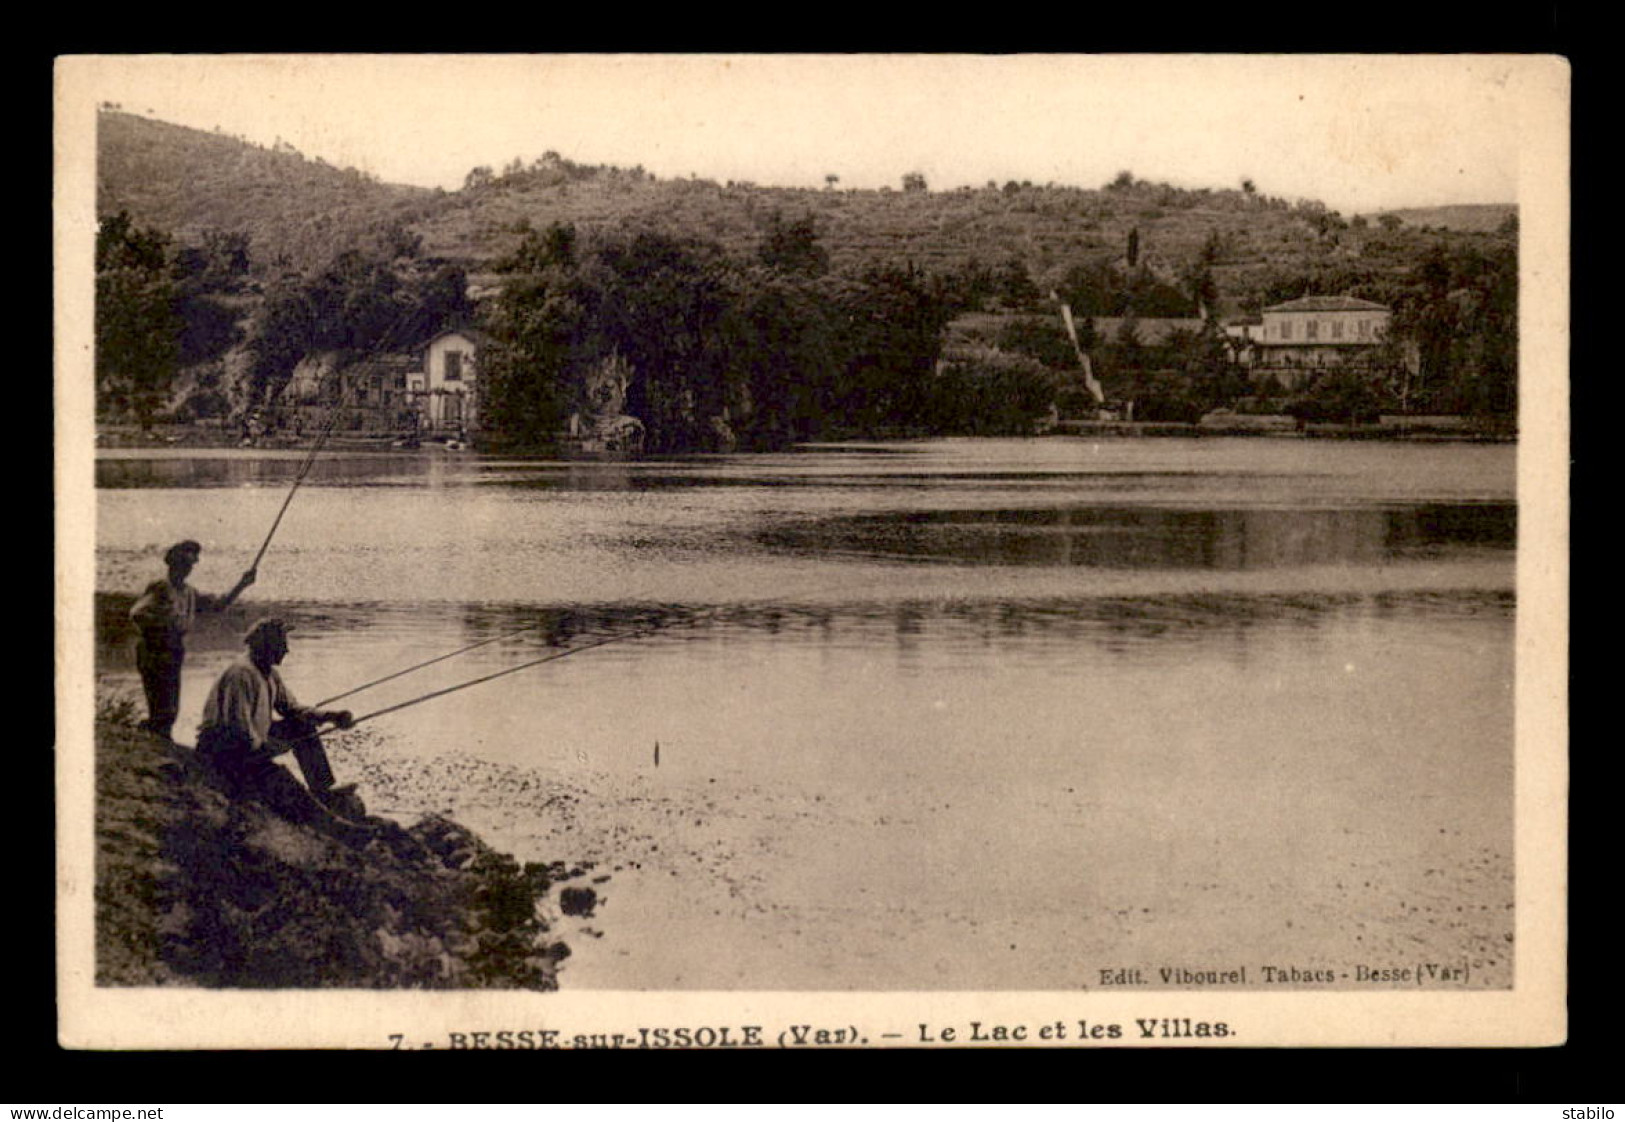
(1295, 340)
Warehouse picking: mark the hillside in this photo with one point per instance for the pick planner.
(184, 181)
(1484, 218)
(1252, 241)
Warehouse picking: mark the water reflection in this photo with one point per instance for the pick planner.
(904, 624)
(1150, 538)
(137, 472)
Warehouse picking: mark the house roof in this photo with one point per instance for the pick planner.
(387, 364)
(472, 334)
(1328, 304)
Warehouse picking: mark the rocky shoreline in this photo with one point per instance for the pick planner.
(193, 889)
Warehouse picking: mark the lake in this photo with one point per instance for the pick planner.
(943, 714)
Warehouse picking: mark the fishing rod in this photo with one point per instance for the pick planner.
(430, 662)
(553, 657)
(399, 321)
(618, 637)
(304, 470)
(635, 633)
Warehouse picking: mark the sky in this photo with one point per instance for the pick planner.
(1359, 133)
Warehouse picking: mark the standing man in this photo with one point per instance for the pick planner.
(163, 614)
(240, 738)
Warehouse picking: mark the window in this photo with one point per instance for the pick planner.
(1337, 329)
(454, 366)
(1364, 328)
(1311, 330)
(1286, 329)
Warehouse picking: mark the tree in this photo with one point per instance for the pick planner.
(662, 302)
(1341, 396)
(985, 391)
(1014, 285)
(538, 250)
(1092, 288)
(830, 181)
(1199, 280)
(531, 370)
(218, 263)
(894, 318)
(914, 181)
(784, 351)
(792, 246)
(208, 275)
(138, 329)
(360, 302)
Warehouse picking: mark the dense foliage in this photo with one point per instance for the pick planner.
(737, 315)
(161, 308)
(379, 296)
(137, 327)
(718, 352)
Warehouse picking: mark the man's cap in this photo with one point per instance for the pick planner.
(265, 629)
(179, 548)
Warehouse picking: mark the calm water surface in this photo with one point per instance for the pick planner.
(977, 615)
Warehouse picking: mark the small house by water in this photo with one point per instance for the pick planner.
(432, 391)
(449, 399)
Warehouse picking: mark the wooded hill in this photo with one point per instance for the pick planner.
(761, 314)
(188, 183)
(1480, 218)
(298, 212)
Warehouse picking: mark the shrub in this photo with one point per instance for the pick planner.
(1340, 397)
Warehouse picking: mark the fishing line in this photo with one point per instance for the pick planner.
(304, 470)
(421, 665)
(553, 657)
(399, 321)
(637, 632)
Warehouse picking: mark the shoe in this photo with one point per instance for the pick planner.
(344, 802)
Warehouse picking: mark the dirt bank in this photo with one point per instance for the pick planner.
(193, 889)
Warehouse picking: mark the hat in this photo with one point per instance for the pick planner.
(265, 629)
(179, 548)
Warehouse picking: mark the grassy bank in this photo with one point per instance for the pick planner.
(194, 889)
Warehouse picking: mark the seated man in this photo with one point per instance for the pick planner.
(240, 741)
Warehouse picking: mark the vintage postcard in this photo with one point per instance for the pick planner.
(688, 552)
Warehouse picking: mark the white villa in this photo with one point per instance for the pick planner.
(1298, 338)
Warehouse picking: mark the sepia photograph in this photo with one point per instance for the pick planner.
(850, 551)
